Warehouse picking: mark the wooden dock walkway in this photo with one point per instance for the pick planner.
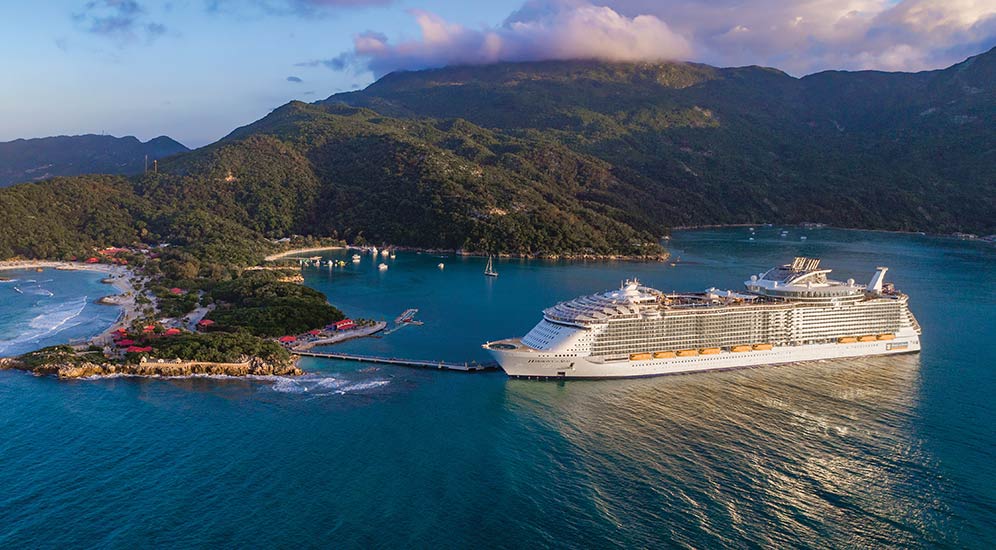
(442, 365)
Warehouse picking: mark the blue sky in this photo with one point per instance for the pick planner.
(196, 69)
(208, 73)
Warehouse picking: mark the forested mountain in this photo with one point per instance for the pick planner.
(911, 151)
(24, 160)
(551, 158)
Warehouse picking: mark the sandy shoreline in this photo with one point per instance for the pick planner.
(121, 279)
(284, 254)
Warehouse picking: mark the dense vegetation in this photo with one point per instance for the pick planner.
(25, 160)
(221, 347)
(692, 144)
(260, 304)
(547, 158)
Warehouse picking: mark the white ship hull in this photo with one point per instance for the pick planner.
(531, 364)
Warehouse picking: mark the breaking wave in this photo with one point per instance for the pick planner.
(50, 321)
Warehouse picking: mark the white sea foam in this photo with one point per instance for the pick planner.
(51, 320)
(316, 385)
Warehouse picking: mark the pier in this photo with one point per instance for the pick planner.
(441, 365)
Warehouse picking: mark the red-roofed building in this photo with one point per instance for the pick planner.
(92, 260)
(345, 324)
(175, 290)
(287, 339)
(125, 343)
(172, 331)
(205, 323)
(315, 332)
(139, 349)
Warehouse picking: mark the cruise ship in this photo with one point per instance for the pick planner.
(794, 312)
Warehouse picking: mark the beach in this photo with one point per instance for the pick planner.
(286, 253)
(122, 278)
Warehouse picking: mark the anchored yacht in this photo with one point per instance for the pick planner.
(790, 313)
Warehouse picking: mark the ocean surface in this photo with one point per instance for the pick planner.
(895, 452)
(39, 309)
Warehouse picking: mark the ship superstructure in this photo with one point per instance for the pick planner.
(793, 312)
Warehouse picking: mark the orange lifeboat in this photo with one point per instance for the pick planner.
(664, 355)
(847, 340)
(740, 349)
(886, 336)
(688, 353)
(869, 338)
(639, 356)
(762, 347)
(709, 351)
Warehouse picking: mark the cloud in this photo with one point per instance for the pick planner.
(303, 8)
(121, 20)
(801, 36)
(804, 36)
(294, 79)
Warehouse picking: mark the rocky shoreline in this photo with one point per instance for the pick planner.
(155, 368)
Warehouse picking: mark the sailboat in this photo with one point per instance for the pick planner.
(489, 270)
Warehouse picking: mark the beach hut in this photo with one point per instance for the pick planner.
(287, 339)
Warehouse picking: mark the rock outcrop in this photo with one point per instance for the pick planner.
(251, 367)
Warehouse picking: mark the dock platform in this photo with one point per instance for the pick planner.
(471, 366)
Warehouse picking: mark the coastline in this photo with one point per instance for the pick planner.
(122, 281)
(356, 333)
(569, 257)
(277, 256)
(954, 235)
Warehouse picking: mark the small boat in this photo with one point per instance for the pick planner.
(489, 270)
(393, 255)
(356, 258)
(750, 238)
(802, 238)
(385, 252)
(374, 251)
(441, 265)
(382, 267)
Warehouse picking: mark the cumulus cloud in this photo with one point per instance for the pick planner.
(565, 29)
(801, 36)
(122, 20)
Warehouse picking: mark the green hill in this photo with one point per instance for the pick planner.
(743, 145)
(550, 158)
(25, 160)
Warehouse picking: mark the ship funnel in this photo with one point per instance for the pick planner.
(877, 279)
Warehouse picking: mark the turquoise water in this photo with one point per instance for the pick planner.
(39, 309)
(877, 451)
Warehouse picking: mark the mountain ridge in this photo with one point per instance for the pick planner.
(550, 159)
(35, 159)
